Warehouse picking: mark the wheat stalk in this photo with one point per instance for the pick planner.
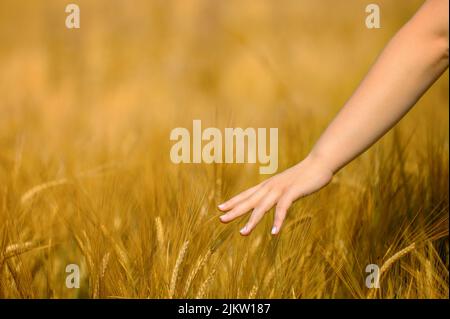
(159, 232)
(204, 287)
(176, 269)
(105, 262)
(20, 248)
(41, 187)
(253, 292)
(124, 261)
(199, 265)
(85, 252)
(301, 219)
(206, 204)
(388, 264)
(293, 293)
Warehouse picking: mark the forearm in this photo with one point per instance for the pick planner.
(408, 66)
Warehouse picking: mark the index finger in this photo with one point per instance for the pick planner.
(229, 204)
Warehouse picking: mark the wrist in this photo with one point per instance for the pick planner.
(320, 163)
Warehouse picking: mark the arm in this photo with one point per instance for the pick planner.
(412, 61)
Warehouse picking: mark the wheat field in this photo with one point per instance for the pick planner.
(86, 178)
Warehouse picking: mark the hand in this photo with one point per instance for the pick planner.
(283, 189)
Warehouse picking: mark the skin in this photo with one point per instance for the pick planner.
(412, 61)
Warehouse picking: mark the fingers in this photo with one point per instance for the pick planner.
(258, 213)
(229, 204)
(262, 199)
(244, 206)
(280, 213)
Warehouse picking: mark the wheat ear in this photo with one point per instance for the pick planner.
(388, 264)
(204, 287)
(176, 269)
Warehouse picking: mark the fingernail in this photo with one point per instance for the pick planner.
(222, 217)
(221, 206)
(274, 230)
(243, 230)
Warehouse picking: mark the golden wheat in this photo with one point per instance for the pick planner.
(204, 287)
(176, 268)
(198, 266)
(86, 176)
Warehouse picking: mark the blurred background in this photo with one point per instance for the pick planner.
(85, 118)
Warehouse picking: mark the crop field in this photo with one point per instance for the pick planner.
(86, 176)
